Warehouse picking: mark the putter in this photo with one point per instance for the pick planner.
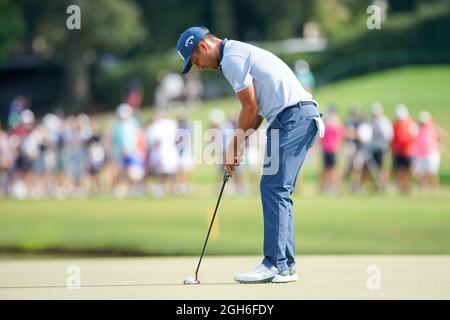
(191, 280)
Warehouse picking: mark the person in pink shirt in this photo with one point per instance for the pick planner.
(427, 152)
(330, 143)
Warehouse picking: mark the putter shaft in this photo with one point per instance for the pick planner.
(225, 179)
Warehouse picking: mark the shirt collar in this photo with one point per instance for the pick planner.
(222, 46)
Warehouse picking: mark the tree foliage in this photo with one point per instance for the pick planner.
(12, 26)
(111, 25)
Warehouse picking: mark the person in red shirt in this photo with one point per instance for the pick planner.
(133, 93)
(405, 133)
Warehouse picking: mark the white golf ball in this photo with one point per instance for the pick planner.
(189, 280)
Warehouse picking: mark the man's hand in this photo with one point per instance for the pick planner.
(229, 163)
(232, 156)
(229, 168)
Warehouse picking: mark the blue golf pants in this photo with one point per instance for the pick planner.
(289, 137)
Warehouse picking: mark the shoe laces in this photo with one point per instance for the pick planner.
(260, 268)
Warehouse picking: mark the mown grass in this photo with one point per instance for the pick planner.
(343, 224)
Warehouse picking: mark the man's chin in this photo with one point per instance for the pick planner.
(210, 68)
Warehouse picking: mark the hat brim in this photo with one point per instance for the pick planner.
(186, 65)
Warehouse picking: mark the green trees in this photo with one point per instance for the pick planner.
(106, 26)
(142, 34)
(12, 26)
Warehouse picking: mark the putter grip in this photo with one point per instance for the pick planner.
(226, 176)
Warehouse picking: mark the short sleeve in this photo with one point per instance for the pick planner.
(236, 70)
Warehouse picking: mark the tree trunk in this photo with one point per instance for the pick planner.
(76, 93)
(223, 18)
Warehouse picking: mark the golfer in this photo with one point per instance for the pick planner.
(266, 88)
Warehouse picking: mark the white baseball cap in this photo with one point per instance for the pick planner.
(124, 111)
(27, 116)
(377, 108)
(424, 117)
(401, 112)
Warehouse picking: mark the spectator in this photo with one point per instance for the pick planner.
(186, 162)
(169, 90)
(163, 160)
(52, 126)
(352, 146)
(304, 75)
(96, 159)
(405, 133)
(60, 179)
(427, 153)
(193, 89)
(133, 93)
(125, 149)
(74, 163)
(6, 162)
(18, 104)
(27, 152)
(382, 134)
(362, 166)
(330, 143)
(25, 125)
(135, 168)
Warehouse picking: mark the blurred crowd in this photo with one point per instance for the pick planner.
(69, 156)
(374, 148)
(63, 156)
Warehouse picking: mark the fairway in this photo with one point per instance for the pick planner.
(164, 151)
(321, 277)
(177, 225)
(337, 237)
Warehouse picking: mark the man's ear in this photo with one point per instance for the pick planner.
(202, 45)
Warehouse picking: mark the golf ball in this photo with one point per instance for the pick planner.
(189, 280)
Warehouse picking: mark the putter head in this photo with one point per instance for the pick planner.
(191, 280)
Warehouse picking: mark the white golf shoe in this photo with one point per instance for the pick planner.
(293, 274)
(289, 275)
(262, 274)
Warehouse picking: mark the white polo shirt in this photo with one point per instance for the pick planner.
(275, 84)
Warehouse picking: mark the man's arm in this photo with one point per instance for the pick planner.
(248, 119)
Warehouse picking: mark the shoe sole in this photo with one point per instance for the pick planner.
(267, 280)
(275, 279)
(285, 279)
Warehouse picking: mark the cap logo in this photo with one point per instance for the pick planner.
(189, 41)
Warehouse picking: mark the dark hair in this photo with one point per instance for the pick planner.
(207, 36)
(210, 36)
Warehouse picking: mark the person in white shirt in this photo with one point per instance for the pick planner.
(161, 136)
(267, 89)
